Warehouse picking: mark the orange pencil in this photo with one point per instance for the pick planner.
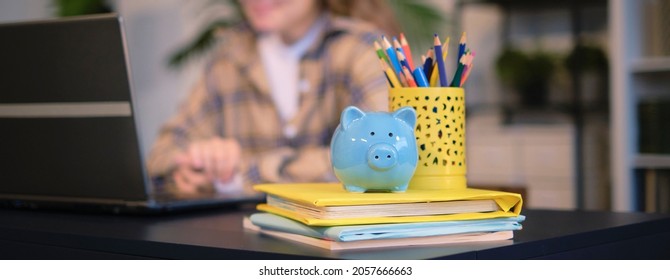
(408, 75)
(407, 50)
(403, 80)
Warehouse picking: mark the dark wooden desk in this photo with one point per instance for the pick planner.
(218, 234)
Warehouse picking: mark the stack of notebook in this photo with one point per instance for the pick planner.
(327, 216)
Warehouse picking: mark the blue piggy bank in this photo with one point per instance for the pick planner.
(375, 150)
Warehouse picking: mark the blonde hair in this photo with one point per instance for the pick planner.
(376, 12)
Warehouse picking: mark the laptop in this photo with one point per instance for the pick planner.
(69, 137)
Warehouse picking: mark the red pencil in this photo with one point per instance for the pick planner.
(407, 50)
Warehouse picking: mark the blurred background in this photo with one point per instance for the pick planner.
(566, 104)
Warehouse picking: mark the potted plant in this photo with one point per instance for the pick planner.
(527, 74)
(590, 63)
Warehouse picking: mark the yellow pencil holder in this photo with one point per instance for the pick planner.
(439, 132)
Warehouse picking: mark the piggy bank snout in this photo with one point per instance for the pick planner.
(382, 156)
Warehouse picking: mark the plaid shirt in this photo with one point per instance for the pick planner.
(233, 100)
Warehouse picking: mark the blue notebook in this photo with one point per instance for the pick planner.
(274, 222)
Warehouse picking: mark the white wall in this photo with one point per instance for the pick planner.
(483, 24)
(155, 29)
(18, 10)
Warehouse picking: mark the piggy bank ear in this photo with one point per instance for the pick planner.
(349, 115)
(406, 114)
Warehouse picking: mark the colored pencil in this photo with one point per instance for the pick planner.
(420, 77)
(398, 50)
(392, 56)
(445, 52)
(459, 71)
(468, 69)
(462, 43)
(465, 62)
(428, 63)
(393, 79)
(461, 48)
(442, 74)
(396, 45)
(407, 50)
(380, 52)
(403, 80)
(409, 77)
(388, 80)
(402, 59)
(395, 58)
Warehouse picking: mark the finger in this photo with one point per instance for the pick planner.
(195, 156)
(182, 159)
(195, 178)
(208, 152)
(183, 185)
(219, 156)
(232, 152)
(224, 170)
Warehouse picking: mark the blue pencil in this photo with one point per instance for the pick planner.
(402, 59)
(392, 56)
(397, 46)
(456, 82)
(442, 72)
(461, 48)
(420, 77)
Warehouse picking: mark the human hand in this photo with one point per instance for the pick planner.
(206, 161)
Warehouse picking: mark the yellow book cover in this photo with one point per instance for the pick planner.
(333, 194)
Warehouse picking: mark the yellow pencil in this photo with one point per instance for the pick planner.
(390, 74)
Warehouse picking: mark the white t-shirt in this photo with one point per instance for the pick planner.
(281, 63)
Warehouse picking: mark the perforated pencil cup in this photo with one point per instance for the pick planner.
(439, 132)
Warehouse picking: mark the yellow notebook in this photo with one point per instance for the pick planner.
(333, 194)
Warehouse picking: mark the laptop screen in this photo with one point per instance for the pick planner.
(66, 114)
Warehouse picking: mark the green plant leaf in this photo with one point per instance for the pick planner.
(419, 21)
(584, 58)
(512, 67)
(66, 8)
(206, 38)
(202, 43)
